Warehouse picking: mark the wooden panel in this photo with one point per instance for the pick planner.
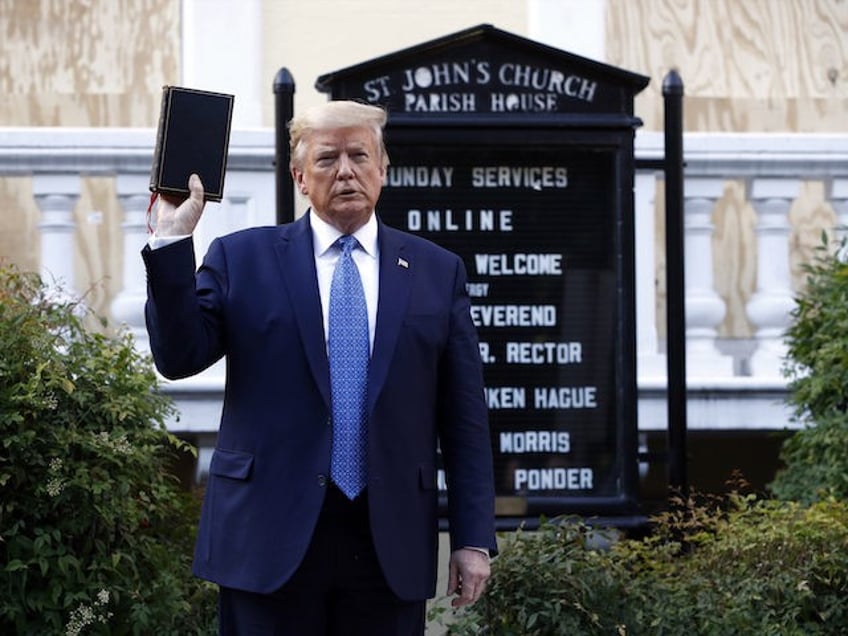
(19, 237)
(749, 115)
(735, 258)
(810, 215)
(747, 65)
(86, 62)
(98, 259)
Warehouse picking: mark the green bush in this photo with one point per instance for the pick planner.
(761, 567)
(817, 340)
(95, 531)
(814, 458)
(546, 582)
(815, 462)
(747, 567)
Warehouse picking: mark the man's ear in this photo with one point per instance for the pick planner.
(297, 177)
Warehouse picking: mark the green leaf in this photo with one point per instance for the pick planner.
(15, 565)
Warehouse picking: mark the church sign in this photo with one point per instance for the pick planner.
(478, 86)
(519, 158)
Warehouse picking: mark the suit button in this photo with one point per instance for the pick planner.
(322, 480)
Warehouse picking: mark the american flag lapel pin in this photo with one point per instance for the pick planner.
(403, 262)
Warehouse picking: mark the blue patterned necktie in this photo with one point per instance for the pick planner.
(349, 351)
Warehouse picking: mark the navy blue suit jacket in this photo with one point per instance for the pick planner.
(255, 300)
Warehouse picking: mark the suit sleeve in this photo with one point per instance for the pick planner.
(464, 429)
(184, 311)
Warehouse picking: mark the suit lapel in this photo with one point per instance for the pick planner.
(296, 257)
(396, 270)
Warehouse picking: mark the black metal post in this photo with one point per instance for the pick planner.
(675, 283)
(283, 112)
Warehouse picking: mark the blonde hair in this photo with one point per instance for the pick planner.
(336, 114)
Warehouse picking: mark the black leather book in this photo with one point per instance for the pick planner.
(193, 136)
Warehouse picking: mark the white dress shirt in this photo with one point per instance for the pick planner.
(367, 259)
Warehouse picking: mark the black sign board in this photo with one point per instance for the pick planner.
(519, 158)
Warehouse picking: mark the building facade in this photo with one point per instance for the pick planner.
(766, 149)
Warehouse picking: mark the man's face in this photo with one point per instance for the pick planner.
(342, 174)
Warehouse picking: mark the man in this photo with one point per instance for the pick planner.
(320, 514)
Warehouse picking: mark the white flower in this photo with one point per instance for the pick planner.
(85, 615)
(51, 402)
(119, 445)
(55, 486)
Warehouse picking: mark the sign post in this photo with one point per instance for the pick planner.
(519, 158)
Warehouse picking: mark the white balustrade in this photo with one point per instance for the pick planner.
(57, 159)
(772, 302)
(56, 196)
(704, 307)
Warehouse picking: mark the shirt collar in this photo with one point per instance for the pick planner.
(325, 235)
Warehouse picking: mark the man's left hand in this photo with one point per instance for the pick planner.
(468, 572)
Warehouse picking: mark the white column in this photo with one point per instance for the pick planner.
(651, 364)
(770, 306)
(222, 51)
(705, 309)
(128, 305)
(56, 196)
(576, 26)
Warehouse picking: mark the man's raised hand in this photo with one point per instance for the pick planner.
(179, 218)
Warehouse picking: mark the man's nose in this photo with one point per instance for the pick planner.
(345, 167)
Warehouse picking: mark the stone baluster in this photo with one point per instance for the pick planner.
(837, 193)
(128, 305)
(770, 306)
(705, 309)
(56, 196)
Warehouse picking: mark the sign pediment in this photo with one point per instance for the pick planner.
(486, 72)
